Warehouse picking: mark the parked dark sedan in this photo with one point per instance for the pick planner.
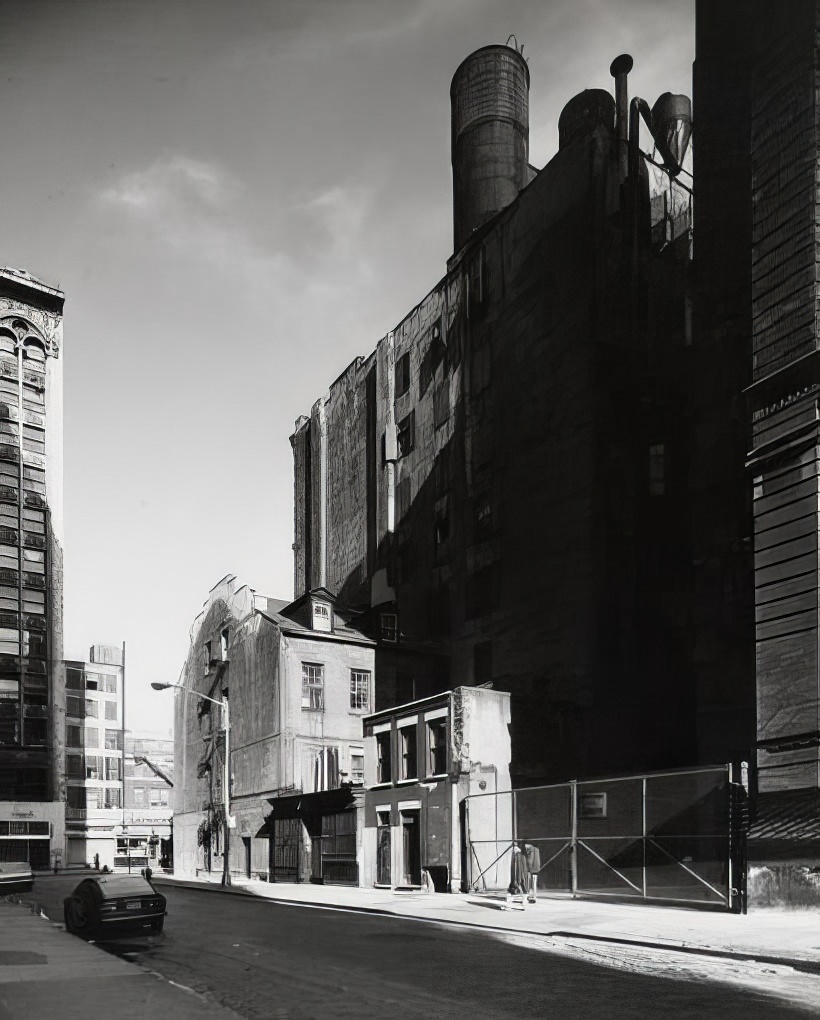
(15, 876)
(113, 906)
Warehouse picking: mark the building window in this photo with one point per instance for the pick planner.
(356, 766)
(113, 740)
(91, 709)
(139, 796)
(482, 517)
(111, 711)
(326, 769)
(223, 644)
(158, 796)
(437, 746)
(390, 627)
(322, 617)
(108, 684)
(409, 757)
(359, 689)
(406, 434)
(657, 470)
(482, 662)
(403, 374)
(441, 402)
(74, 766)
(383, 848)
(112, 797)
(206, 655)
(91, 738)
(313, 686)
(113, 769)
(384, 769)
(76, 796)
(441, 525)
(93, 766)
(402, 497)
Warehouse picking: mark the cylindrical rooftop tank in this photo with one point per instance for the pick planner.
(489, 103)
(585, 112)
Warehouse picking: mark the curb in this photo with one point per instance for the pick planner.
(803, 966)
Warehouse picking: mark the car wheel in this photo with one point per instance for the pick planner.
(78, 915)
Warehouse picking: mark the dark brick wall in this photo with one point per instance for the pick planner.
(527, 547)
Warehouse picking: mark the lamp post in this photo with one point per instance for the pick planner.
(226, 777)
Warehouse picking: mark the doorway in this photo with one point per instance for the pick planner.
(411, 847)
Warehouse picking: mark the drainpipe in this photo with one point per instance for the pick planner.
(390, 452)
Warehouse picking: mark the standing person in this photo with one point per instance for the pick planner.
(96, 862)
(533, 855)
(519, 879)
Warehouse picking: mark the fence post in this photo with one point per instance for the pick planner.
(643, 839)
(573, 850)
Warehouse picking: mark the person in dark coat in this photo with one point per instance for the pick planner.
(519, 878)
(533, 855)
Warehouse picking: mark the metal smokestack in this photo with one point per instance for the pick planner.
(619, 69)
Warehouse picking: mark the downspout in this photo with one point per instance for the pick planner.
(390, 452)
(322, 495)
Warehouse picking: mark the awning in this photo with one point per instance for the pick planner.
(307, 806)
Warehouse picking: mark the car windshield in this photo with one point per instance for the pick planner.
(123, 885)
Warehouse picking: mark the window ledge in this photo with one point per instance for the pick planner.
(405, 782)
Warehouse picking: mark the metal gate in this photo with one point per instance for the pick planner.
(284, 849)
(675, 837)
(334, 854)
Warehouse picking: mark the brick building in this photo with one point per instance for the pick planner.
(756, 96)
(500, 487)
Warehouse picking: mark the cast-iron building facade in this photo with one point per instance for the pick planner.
(32, 683)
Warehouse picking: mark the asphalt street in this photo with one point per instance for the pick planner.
(268, 960)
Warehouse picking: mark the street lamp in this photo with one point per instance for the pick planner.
(226, 779)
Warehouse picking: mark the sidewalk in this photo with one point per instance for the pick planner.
(46, 973)
(791, 938)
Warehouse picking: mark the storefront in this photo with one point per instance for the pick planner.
(313, 837)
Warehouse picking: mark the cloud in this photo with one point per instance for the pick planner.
(173, 181)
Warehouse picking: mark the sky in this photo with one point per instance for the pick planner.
(238, 198)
